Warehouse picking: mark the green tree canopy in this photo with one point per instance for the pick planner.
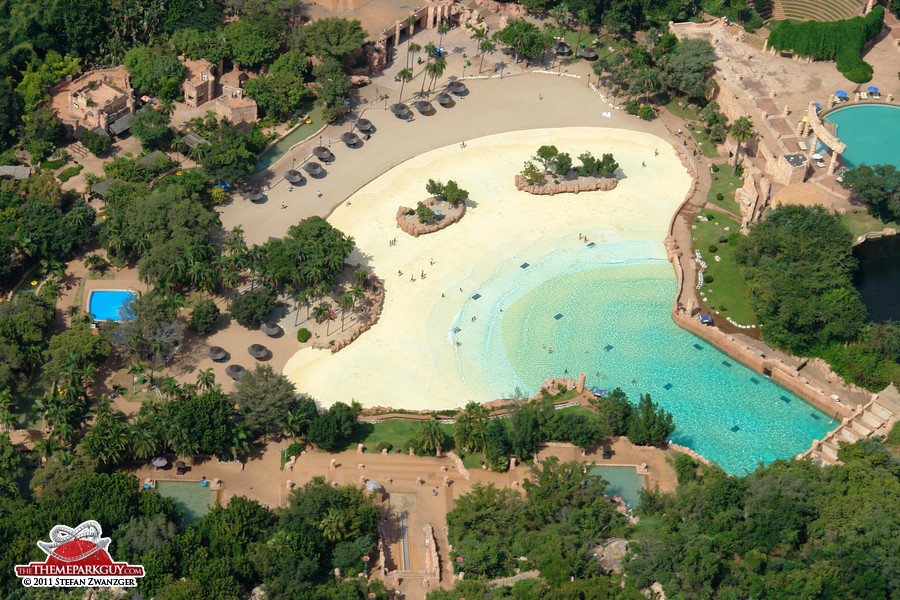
(254, 39)
(332, 37)
(152, 128)
(263, 398)
(281, 92)
(154, 71)
(250, 308)
(879, 187)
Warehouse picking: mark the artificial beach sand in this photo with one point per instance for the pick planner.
(406, 360)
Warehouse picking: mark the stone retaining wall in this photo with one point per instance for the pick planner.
(411, 225)
(573, 186)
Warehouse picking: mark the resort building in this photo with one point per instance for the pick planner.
(95, 101)
(200, 82)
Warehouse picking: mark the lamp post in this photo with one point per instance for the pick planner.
(320, 140)
(365, 560)
(293, 162)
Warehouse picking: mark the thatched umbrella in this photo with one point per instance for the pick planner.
(321, 152)
(216, 353)
(351, 139)
(563, 49)
(456, 86)
(444, 99)
(270, 328)
(159, 462)
(295, 177)
(258, 351)
(400, 110)
(313, 168)
(588, 53)
(424, 107)
(254, 195)
(235, 371)
(364, 125)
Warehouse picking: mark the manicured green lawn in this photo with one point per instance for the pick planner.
(728, 288)
(862, 222)
(577, 410)
(688, 111)
(393, 431)
(707, 146)
(725, 183)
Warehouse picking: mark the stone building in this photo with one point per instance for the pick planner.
(199, 82)
(95, 100)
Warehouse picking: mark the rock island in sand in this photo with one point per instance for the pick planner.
(407, 358)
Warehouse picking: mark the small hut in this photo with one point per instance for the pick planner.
(235, 372)
(314, 169)
(270, 328)
(294, 177)
(322, 153)
(365, 125)
(424, 107)
(216, 353)
(255, 196)
(350, 139)
(444, 99)
(258, 351)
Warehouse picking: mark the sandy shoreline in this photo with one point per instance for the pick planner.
(406, 360)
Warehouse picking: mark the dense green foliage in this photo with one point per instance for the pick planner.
(95, 142)
(26, 323)
(879, 187)
(204, 316)
(250, 308)
(563, 513)
(332, 38)
(841, 41)
(148, 328)
(154, 71)
(524, 38)
(264, 397)
(799, 265)
(281, 92)
(309, 256)
(788, 530)
(230, 155)
(424, 213)
(330, 430)
(255, 40)
(165, 232)
(152, 128)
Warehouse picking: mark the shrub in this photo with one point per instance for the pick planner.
(252, 307)
(303, 335)
(708, 278)
(97, 143)
(52, 165)
(380, 446)
(204, 317)
(720, 196)
(722, 239)
(425, 213)
(70, 173)
(713, 248)
(715, 169)
(646, 112)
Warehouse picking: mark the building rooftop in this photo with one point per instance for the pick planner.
(15, 171)
(197, 70)
(795, 160)
(103, 187)
(192, 140)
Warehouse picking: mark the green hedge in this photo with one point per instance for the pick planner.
(841, 41)
(70, 173)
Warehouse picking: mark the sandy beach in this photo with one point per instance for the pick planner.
(407, 359)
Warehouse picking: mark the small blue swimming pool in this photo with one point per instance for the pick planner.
(623, 481)
(106, 305)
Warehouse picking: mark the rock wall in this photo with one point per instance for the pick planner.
(432, 561)
(375, 298)
(412, 226)
(582, 184)
(374, 55)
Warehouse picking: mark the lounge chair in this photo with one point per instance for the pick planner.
(876, 95)
(864, 95)
(802, 145)
(820, 164)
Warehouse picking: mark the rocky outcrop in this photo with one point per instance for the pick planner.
(450, 214)
(567, 186)
(506, 9)
(373, 57)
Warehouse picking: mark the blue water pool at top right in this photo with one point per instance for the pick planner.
(871, 133)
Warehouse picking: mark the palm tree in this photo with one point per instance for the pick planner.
(429, 437)
(442, 29)
(333, 524)
(583, 19)
(345, 301)
(411, 23)
(169, 387)
(411, 51)
(358, 292)
(46, 447)
(179, 146)
(742, 131)
(429, 53)
(206, 379)
(360, 277)
(240, 443)
(7, 418)
(167, 107)
(144, 443)
(323, 313)
(404, 76)
(560, 14)
(484, 46)
(436, 69)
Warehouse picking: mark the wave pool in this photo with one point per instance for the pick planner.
(871, 133)
(604, 310)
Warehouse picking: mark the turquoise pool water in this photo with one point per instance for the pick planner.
(195, 500)
(105, 304)
(580, 300)
(623, 481)
(871, 132)
(280, 148)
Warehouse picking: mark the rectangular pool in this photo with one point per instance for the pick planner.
(191, 497)
(623, 481)
(105, 305)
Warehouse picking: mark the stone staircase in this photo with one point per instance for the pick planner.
(874, 418)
